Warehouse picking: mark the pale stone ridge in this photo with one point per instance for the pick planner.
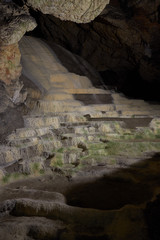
(77, 11)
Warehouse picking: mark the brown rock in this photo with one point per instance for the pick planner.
(10, 68)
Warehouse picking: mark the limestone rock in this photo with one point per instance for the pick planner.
(77, 11)
(15, 22)
(12, 33)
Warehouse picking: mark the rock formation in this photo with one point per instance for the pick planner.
(14, 23)
(77, 11)
(82, 162)
(122, 43)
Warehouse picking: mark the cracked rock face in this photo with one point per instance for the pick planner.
(77, 11)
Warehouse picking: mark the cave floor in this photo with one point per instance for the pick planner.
(86, 163)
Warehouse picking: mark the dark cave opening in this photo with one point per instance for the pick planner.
(132, 85)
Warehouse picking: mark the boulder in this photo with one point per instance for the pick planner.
(77, 11)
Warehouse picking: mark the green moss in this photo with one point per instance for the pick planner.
(36, 168)
(57, 161)
(138, 136)
(60, 150)
(13, 177)
(131, 148)
(6, 178)
(11, 65)
(42, 171)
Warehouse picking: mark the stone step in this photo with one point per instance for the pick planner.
(119, 98)
(68, 155)
(93, 123)
(32, 164)
(23, 133)
(90, 90)
(146, 107)
(82, 115)
(107, 114)
(71, 80)
(138, 113)
(127, 149)
(130, 122)
(133, 102)
(58, 96)
(99, 127)
(74, 124)
(38, 148)
(56, 106)
(9, 155)
(72, 139)
(98, 107)
(89, 99)
(88, 129)
(41, 121)
(18, 142)
(27, 150)
(80, 128)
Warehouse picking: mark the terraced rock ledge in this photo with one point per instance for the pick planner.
(86, 163)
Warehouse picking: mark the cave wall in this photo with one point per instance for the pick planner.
(15, 22)
(121, 43)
